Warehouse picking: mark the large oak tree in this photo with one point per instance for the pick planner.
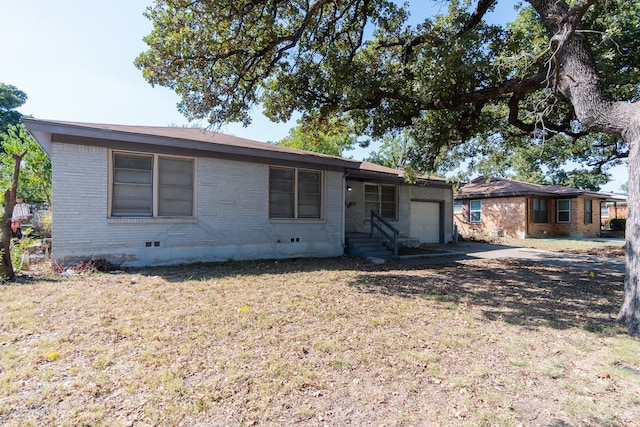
(563, 77)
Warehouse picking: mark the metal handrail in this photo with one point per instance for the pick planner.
(376, 220)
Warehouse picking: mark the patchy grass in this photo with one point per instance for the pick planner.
(606, 248)
(315, 342)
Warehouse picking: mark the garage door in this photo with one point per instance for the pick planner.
(425, 222)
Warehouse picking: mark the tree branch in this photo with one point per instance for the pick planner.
(408, 44)
(541, 125)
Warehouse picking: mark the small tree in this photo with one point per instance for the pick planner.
(21, 154)
(9, 203)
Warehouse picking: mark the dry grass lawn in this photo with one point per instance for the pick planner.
(318, 342)
(600, 247)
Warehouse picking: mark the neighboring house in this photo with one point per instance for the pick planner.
(140, 195)
(504, 207)
(613, 210)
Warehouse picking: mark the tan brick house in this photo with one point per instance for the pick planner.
(505, 207)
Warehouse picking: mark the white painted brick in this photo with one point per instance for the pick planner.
(231, 216)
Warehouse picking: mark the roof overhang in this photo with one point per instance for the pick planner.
(198, 142)
(47, 132)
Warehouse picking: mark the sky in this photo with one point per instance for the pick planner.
(74, 60)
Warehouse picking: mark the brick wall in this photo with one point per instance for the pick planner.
(231, 218)
(505, 216)
(513, 217)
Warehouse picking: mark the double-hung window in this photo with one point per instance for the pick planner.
(475, 211)
(564, 211)
(151, 185)
(540, 212)
(457, 206)
(381, 199)
(295, 193)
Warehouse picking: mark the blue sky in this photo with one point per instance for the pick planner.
(74, 60)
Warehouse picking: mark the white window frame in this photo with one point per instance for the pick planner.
(567, 211)
(155, 183)
(296, 195)
(458, 206)
(473, 211)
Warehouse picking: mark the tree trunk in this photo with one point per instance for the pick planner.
(6, 266)
(629, 315)
(576, 77)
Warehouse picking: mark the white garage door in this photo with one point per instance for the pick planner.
(425, 222)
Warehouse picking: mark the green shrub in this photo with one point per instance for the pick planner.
(618, 224)
(20, 250)
(43, 224)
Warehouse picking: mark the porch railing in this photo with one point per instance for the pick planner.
(386, 229)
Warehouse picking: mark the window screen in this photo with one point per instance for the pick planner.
(135, 189)
(132, 185)
(540, 212)
(175, 187)
(475, 210)
(564, 210)
(295, 193)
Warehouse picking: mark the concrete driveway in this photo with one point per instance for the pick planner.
(475, 250)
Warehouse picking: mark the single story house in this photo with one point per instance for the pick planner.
(613, 210)
(505, 207)
(140, 195)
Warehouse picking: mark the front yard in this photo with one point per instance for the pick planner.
(599, 247)
(318, 342)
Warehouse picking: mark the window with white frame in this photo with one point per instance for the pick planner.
(588, 211)
(382, 199)
(457, 206)
(151, 185)
(475, 211)
(295, 193)
(604, 210)
(564, 211)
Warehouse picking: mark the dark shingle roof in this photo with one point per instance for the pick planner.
(200, 140)
(484, 187)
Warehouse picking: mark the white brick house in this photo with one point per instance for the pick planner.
(137, 196)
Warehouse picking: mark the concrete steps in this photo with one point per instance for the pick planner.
(364, 246)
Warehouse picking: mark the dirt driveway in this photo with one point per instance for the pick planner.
(481, 250)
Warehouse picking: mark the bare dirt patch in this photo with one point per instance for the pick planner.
(607, 252)
(601, 248)
(318, 342)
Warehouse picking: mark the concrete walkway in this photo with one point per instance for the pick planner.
(474, 250)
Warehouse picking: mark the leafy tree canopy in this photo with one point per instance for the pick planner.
(35, 171)
(329, 136)
(624, 188)
(393, 151)
(10, 98)
(454, 81)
